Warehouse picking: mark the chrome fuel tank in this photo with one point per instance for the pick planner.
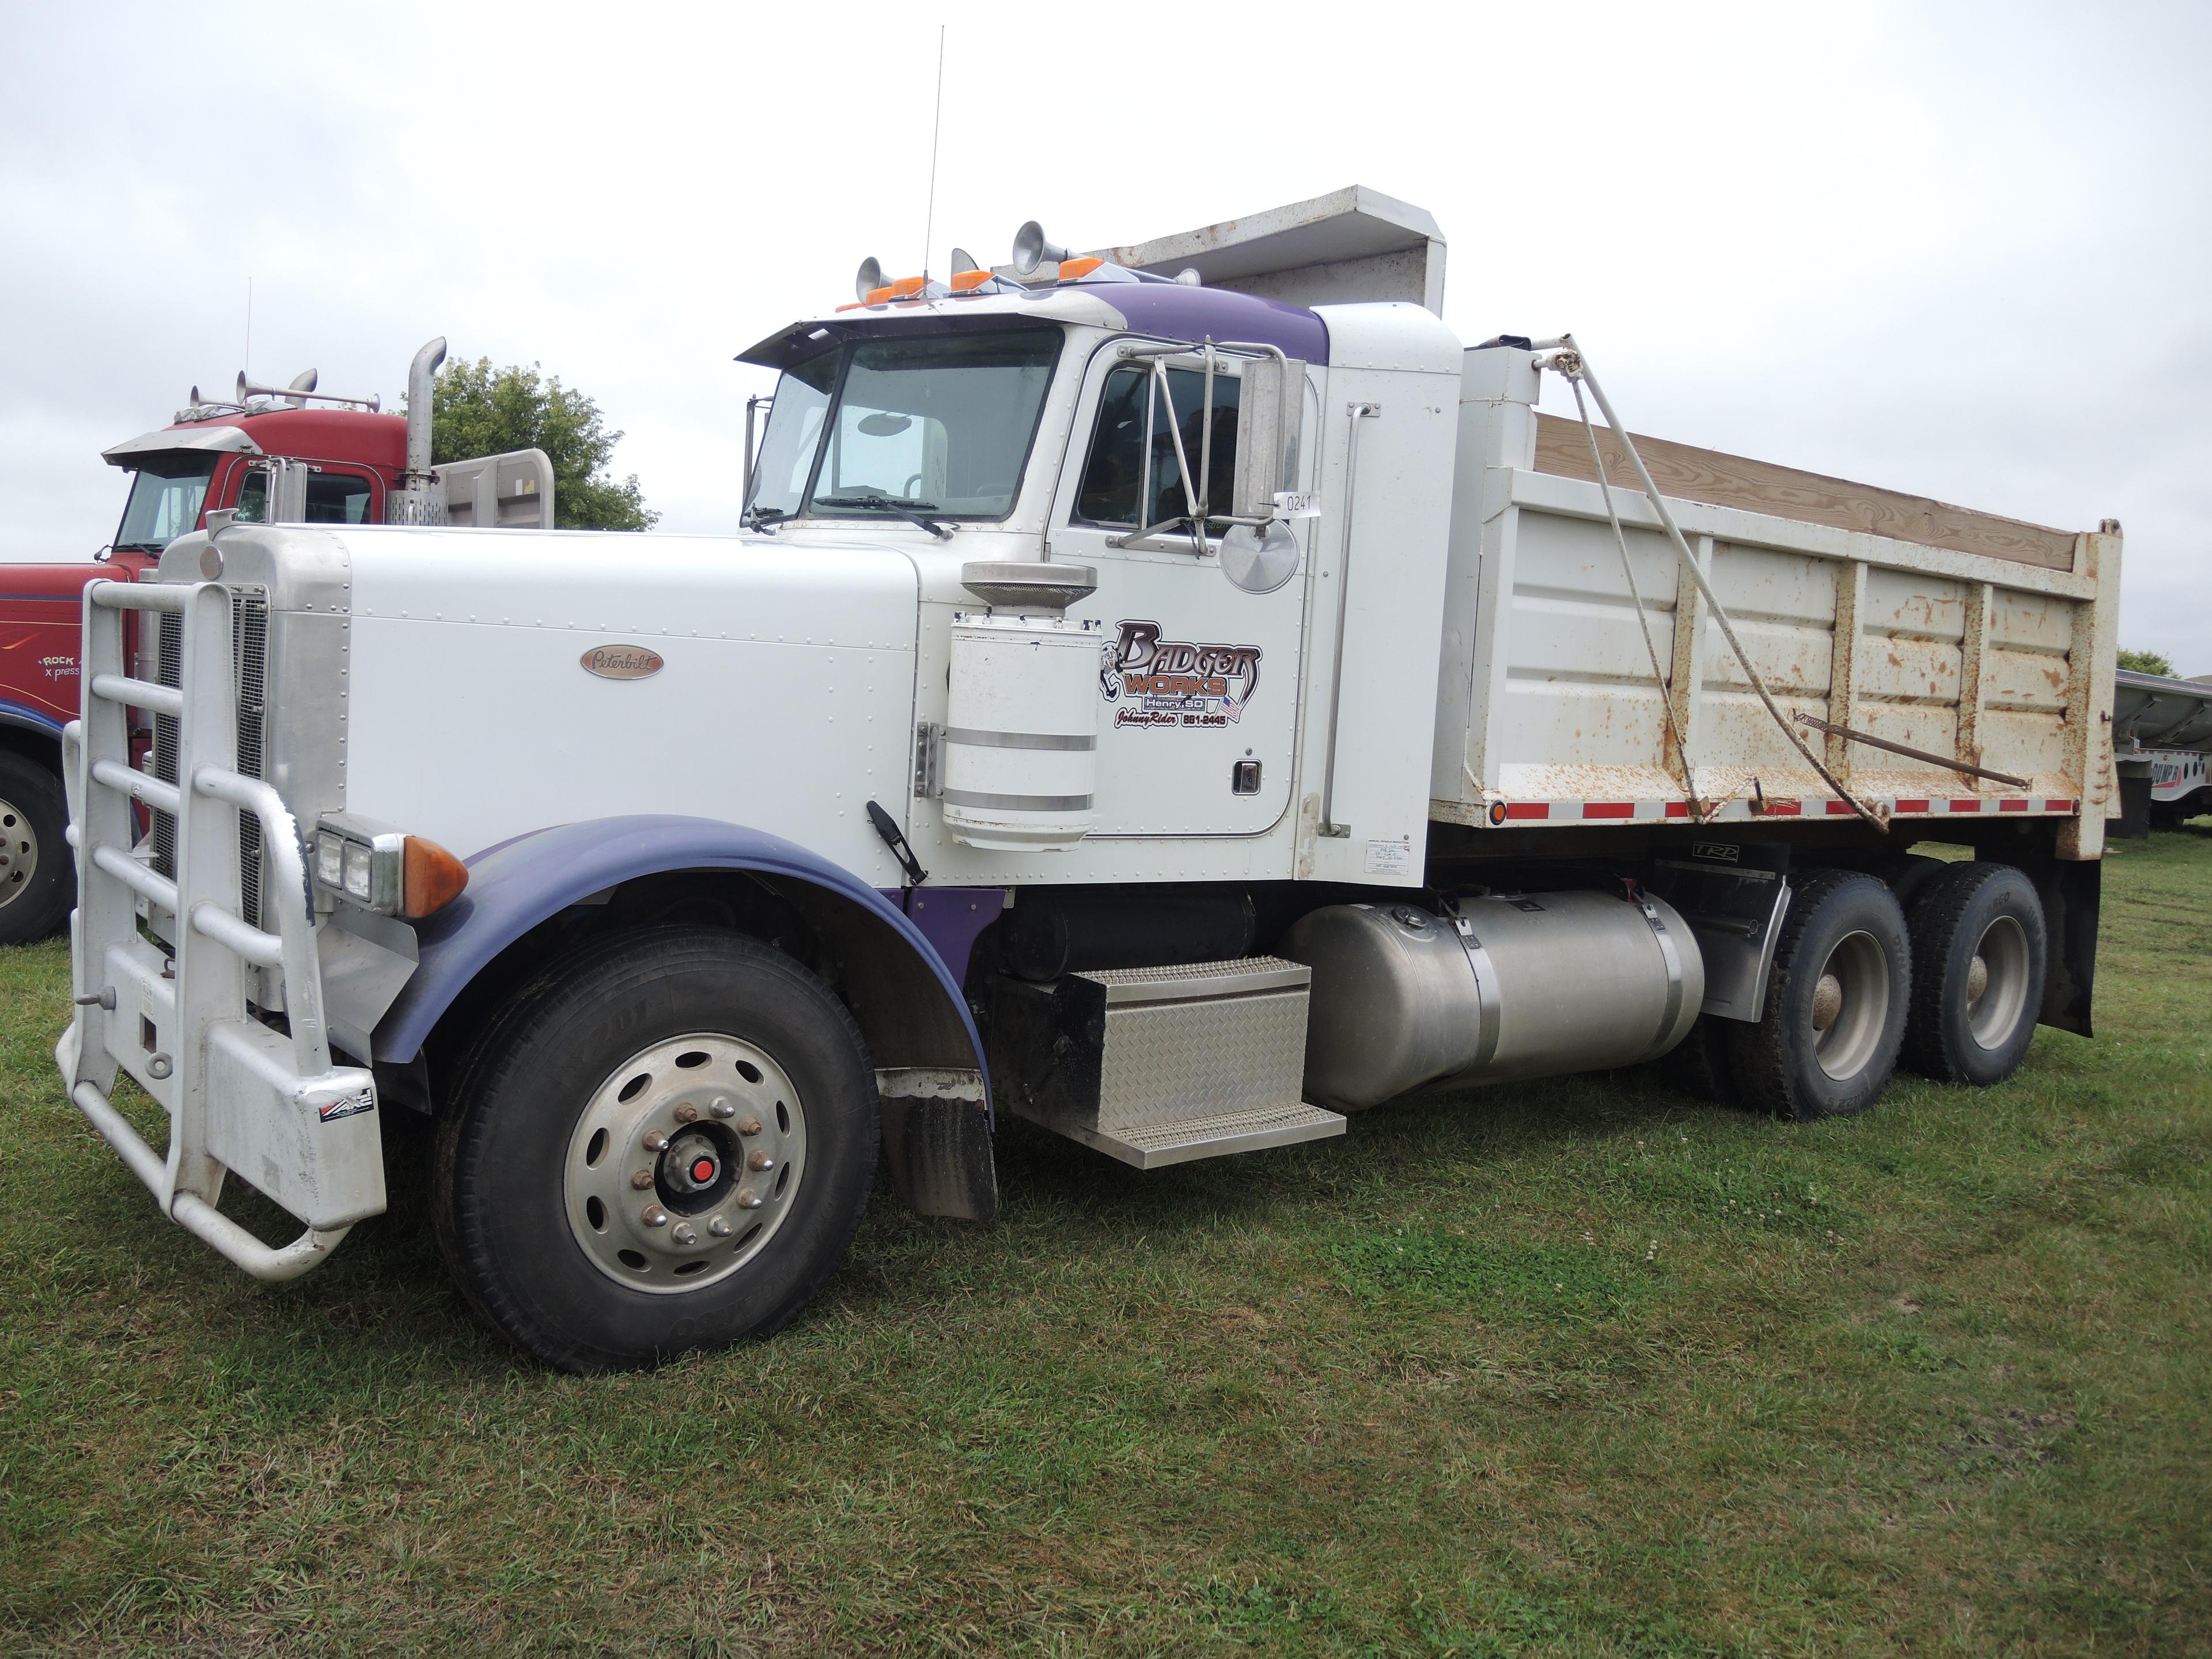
(1519, 986)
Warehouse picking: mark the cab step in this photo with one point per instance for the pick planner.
(1159, 1066)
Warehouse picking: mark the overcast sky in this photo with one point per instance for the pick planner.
(1962, 251)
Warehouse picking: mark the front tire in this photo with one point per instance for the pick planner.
(38, 877)
(1979, 954)
(664, 1143)
(1836, 1000)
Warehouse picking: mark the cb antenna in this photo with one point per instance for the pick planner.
(936, 123)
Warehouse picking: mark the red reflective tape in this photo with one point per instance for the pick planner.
(1910, 806)
(2060, 805)
(2012, 806)
(1608, 809)
(1965, 806)
(1677, 809)
(1839, 808)
(1528, 809)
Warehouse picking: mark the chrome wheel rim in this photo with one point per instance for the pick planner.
(1850, 1006)
(1996, 982)
(686, 1160)
(19, 851)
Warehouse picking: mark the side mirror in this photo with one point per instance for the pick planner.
(1270, 412)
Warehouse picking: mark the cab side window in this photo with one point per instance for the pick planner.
(332, 498)
(1134, 420)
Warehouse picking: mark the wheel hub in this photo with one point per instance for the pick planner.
(1850, 1003)
(19, 851)
(1997, 983)
(684, 1162)
(1827, 1001)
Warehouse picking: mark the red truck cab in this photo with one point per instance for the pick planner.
(210, 459)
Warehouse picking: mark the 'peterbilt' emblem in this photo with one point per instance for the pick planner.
(621, 662)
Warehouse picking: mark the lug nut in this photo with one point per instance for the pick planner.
(748, 1199)
(655, 1141)
(720, 1228)
(757, 1160)
(721, 1106)
(749, 1125)
(683, 1234)
(686, 1112)
(640, 1179)
(654, 1216)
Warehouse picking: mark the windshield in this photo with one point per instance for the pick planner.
(940, 425)
(165, 501)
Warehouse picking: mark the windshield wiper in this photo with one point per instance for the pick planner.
(761, 519)
(909, 510)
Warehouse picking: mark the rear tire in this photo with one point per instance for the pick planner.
(676, 1036)
(38, 872)
(1836, 1001)
(1980, 951)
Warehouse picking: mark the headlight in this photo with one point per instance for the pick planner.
(379, 868)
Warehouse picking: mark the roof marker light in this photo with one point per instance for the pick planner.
(967, 281)
(1074, 270)
(905, 288)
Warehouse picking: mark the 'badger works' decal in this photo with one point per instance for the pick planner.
(1162, 682)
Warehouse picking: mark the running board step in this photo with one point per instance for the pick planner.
(1159, 1066)
(1180, 1142)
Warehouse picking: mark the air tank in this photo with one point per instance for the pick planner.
(1524, 986)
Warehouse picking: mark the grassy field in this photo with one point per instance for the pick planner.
(1576, 1369)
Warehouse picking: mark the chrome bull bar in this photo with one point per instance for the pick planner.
(241, 1097)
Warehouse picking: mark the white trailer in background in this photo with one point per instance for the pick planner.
(1181, 698)
(2163, 727)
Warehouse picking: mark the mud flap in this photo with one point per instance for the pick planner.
(2070, 891)
(936, 1142)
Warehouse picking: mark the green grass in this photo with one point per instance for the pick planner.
(1580, 1368)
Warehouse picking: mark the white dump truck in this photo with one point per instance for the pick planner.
(1179, 695)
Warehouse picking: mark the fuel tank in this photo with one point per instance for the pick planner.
(1524, 986)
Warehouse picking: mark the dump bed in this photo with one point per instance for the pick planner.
(1962, 634)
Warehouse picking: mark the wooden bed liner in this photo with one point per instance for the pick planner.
(1718, 480)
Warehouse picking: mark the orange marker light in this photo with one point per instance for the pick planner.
(969, 280)
(431, 878)
(1069, 269)
(905, 288)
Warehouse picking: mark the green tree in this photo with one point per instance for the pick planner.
(2145, 662)
(477, 410)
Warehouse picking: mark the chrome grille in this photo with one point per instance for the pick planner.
(249, 633)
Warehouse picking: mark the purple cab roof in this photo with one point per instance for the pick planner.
(1169, 309)
(1196, 313)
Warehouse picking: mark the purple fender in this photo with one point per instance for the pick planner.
(519, 883)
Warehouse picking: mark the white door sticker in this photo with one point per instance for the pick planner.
(1390, 858)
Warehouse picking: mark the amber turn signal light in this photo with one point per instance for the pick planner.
(433, 878)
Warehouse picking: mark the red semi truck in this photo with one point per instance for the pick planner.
(289, 454)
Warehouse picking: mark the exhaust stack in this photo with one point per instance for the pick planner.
(419, 499)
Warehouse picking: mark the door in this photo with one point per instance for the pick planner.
(1198, 677)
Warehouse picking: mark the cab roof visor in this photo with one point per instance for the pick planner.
(172, 439)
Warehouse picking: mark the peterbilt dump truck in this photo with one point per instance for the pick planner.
(1140, 702)
(271, 454)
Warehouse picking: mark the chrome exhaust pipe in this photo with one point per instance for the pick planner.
(419, 499)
